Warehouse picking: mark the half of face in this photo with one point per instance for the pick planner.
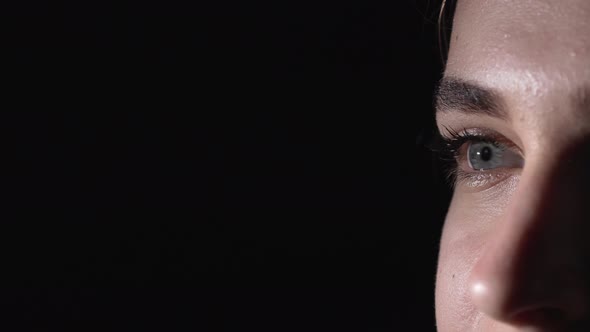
(514, 110)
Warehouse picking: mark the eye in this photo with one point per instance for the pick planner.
(477, 158)
(483, 156)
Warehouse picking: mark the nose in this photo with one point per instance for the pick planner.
(533, 269)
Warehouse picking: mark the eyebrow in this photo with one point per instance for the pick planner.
(456, 95)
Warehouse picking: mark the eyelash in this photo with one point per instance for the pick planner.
(448, 148)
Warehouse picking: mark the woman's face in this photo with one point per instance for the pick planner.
(514, 107)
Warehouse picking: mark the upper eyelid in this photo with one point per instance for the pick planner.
(484, 134)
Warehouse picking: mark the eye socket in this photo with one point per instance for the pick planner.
(477, 158)
(482, 156)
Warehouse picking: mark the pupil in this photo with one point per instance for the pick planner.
(485, 154)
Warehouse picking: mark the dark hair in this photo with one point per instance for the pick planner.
(445, 24)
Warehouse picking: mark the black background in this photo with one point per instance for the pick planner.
(219, 166)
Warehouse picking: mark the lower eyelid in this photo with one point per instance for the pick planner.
(480, 179)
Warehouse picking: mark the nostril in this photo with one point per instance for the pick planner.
(546, 317)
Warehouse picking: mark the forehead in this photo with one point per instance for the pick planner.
(533, 47)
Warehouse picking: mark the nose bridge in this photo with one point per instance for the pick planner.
(534, 258)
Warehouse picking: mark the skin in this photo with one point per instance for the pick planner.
(515, 249)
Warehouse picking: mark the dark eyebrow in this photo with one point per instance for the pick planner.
(456, 95)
